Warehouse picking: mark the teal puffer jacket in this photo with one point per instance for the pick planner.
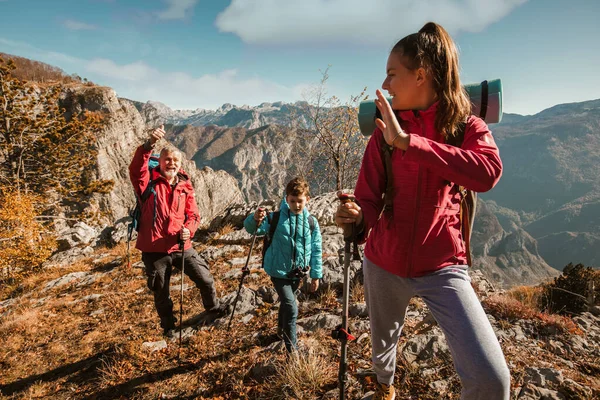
(292, 237)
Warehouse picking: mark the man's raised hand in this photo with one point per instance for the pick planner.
(156, 134)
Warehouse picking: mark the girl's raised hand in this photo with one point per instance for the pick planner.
(389, 125)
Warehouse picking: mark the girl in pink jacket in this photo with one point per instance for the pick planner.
(415, 247)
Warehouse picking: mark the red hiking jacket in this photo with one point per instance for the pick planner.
(175, 208)
(422, 233)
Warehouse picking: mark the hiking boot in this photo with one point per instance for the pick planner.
(169, 333)
(219, 311)
(384, 392)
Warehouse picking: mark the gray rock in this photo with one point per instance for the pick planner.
(236, 237)
(68, 257)
(421, 349)
(118, 233)
(99, 311)
(64, 280)
(333, 271)
(268, 294)
(177, 288)
(246, 318)
(212, 253)
(186, 333)
(241, 261)
(320, 321)
(532, 392)
(540, 376)
(360, 326)
(358, 310)
(154, 346)
(247, 302)
(439, 387)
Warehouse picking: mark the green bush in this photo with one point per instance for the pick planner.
(569, 292)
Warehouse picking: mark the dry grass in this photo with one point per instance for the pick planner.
(511, 309)
(357, 292)
(225, 230)
(328, 298)
(302, 376)
(529, 296)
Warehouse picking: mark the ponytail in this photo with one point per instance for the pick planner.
(432, 48)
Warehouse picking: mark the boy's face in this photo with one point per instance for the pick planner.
(297, 203)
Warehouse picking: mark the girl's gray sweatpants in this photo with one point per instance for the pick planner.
(449, 296)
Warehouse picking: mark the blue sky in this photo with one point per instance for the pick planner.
(202, 53)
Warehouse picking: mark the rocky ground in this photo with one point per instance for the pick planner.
(85, 327)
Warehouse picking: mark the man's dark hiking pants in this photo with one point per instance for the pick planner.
(158, 270)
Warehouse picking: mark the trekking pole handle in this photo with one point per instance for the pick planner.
(348, 198)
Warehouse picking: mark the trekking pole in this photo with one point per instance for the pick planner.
(181, 247)
(245, 272)
(342, 333)
(129, 234)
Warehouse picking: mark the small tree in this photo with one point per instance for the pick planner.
(332, 145)
(25, 242)
(572, 291)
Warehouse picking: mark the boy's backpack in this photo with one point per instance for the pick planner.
(468, 198)
(273, 222)
(136, 213)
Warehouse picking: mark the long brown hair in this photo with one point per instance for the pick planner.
(433, 49)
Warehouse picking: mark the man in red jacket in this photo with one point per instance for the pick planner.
(169, 215)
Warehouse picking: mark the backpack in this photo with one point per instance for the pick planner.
(468, 198)
(136, 213)
(273, 221)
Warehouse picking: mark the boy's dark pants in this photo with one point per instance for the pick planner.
(288, 309)
(158, 270)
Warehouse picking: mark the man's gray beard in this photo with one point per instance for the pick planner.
(170, 174)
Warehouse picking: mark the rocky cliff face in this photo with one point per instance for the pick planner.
(262, 160)
(506, 258)
(124, 130)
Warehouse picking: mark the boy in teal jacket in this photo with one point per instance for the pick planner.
(295, 249)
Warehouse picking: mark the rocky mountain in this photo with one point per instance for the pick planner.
(550, 185)
(508, 258)
(124, 130)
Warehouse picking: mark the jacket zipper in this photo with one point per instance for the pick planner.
(417, 209)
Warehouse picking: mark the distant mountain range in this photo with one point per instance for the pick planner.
(228, 115)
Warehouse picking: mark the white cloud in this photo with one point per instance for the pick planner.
(354, 21)
(177, 9)
(78, 25)
(180, 90)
